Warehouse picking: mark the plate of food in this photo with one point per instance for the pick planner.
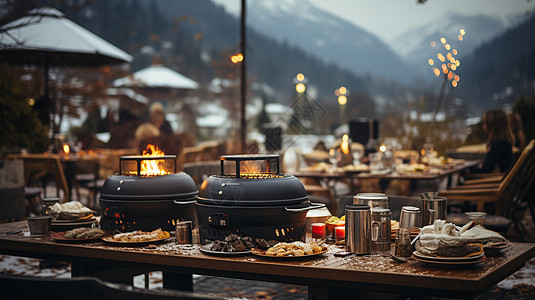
(138, 237)
(79, 235)
(293, 250)
(211, 250)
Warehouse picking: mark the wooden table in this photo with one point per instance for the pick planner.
(326, 276)
(440, 179)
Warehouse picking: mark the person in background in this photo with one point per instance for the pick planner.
(500, 141)
(157, 117)
(516, 128)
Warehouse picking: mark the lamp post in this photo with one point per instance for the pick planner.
(342, 100)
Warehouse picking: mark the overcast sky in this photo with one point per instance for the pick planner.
(386, 18)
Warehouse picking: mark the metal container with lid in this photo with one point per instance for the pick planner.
(380, 227)
(374, 200)
(358, 229)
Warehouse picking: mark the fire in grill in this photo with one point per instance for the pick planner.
(251, 198)
(147, 194)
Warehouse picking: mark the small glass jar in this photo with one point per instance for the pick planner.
(403, 245)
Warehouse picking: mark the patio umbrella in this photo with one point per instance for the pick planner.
(45, 37)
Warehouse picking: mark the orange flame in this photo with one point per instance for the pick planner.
(152, 167)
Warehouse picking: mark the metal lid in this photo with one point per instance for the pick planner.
(381, 211)
(370, 196)
(357, 207)
(177, 186)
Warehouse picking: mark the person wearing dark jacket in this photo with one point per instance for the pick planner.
(500, 141)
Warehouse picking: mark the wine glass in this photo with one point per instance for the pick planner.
(357, 156)
(334, 157)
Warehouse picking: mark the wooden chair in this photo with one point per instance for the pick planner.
(84, 288)
(514, 184)
(88, 177)
(38, 167)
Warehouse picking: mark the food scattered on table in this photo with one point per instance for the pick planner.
(296, 249)
(448, 240)
(139, 236)
(236, 243)
(84, 233)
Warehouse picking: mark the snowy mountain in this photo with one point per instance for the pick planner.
(300, 24)
(415, 45)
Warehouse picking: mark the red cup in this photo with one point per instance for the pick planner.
(340, 234)
(318, 230)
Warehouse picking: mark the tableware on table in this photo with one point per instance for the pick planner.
(109, 239)
(409, 217)
(380, 229)
(60, 237)
(335, 156)
(450, 264)
(358, 229)
(206, 249)
(184, 232)
(478, 217)
(340, 235)
(396, 258)
(319, 230)
(448, 259)
(357, 154)
(427, 152)
(433, 208)
(374, 200)
(262, 253)
(46, 206)
(376, 163)
(496, 250)
(39, 225)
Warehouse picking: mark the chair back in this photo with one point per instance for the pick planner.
(517, 182)
(85, 288)
(36, 165)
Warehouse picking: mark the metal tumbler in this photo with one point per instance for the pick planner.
(184, 232)
(409, 217)
(434, 208)
(358, 229)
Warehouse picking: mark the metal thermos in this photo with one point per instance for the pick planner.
(374, 200)
(358, 229)
(381, 234)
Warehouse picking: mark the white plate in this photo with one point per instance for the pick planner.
(421, 256)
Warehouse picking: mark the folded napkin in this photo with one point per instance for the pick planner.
(447, 239)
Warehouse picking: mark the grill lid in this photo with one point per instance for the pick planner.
(264, 186)
(176, 186)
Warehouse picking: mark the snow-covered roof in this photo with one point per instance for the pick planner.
(128, 93)
(213, 120)
(157, 76)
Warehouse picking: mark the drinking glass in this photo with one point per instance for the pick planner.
(357, 156)
(334, 157)
(376, 163)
